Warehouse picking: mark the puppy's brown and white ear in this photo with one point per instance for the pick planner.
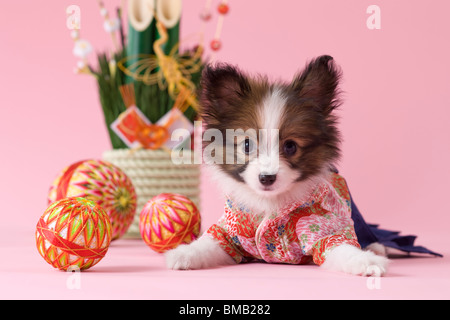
(222, 88)
(318, 83)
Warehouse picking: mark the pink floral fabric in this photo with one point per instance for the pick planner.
(296, 234)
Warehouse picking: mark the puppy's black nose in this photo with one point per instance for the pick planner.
(267, 179)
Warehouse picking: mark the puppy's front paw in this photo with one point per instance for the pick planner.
(179, 258)
(202, 253)
(368, 264)
(349, 259)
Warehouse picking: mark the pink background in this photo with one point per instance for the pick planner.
(395, 118)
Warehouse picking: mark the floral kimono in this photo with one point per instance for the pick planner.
(295, 234)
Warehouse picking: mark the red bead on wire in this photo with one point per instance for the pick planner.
(205, 16)
(216, 44)
(223, 8)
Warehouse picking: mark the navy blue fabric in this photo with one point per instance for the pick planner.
(370, 233)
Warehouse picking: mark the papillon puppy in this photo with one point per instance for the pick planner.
(273, 152)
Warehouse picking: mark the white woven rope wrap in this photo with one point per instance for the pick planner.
(153, 172)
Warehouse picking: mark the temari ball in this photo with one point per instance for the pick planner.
(103, 183)
(168, 220)
(73, 232)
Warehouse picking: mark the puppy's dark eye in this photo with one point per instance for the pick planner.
(290, 148)
(248, 146)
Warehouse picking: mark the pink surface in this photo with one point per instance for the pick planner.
(394, 123)
(130, 270)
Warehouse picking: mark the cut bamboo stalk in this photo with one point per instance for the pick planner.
(169, 14)
(141, 29)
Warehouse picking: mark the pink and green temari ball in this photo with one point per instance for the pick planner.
(73, 232)
(103, 183)
(168, 220)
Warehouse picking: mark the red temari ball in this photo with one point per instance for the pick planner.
(168, 220)
(103, 183)
(73, 232)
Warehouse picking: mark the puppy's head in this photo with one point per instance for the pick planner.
(269, 138)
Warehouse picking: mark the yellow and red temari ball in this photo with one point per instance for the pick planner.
(168, 220)
(103, 183)
(73, 232)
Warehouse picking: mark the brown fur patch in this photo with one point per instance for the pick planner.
(231, 100)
